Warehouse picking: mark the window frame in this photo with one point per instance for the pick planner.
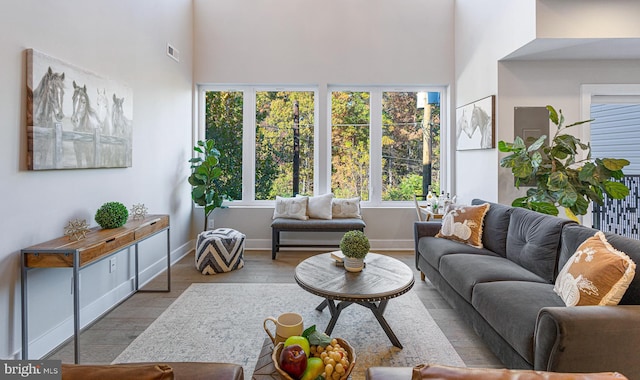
(249, 133)
(322, 136)
(375, 137)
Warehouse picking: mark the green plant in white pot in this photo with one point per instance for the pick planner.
(355, 246)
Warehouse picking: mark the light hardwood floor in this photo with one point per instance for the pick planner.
(109, 336)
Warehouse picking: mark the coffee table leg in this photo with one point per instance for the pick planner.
(335, 311)
(377, 311)
(322, 305)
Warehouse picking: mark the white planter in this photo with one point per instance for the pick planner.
(353, 264)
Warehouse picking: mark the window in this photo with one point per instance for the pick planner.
(223, 124)
(410, 145)
(284, 143)
(350, 113)
(385, 143)
(381, 144)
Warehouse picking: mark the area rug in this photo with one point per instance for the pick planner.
(224, 323)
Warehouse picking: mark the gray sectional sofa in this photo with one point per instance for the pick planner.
(505, 292)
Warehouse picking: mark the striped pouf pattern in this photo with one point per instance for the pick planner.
(219, 251)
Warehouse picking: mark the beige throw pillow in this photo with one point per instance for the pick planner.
(464, 224)
(346, 208)
(596, 274)
(291, 208)
(319, 207)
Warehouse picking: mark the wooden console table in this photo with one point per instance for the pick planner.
(98, 245)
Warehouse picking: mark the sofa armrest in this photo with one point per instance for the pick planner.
(588, 338)
(422, 229)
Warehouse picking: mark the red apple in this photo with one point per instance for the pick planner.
(293, 360)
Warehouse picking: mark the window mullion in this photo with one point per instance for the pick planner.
(375, 148)
(249, 145)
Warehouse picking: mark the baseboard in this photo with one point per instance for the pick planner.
(376, 245)
(58, 335)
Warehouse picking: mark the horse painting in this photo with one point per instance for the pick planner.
(474, 125)
(102, 110)
(121, 128)
(481, 121)
(85, 120)
(45, 104)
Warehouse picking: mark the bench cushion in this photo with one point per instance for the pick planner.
(285, 224)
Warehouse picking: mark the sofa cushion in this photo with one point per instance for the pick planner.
(433, 249)
(533, 241)
(291, 208)
(463, 271)
(496, 225)
(597, 274)
(464, 224)
(511, 308)
(120, 371)
(574, 235)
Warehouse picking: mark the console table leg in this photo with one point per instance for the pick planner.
(25, 322)
(76, 307)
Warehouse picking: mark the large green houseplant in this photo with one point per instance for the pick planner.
(203, 179)
(561, 174)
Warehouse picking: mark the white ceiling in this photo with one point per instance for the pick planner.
(578, 48)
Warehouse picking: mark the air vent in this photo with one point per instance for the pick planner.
(173, 53)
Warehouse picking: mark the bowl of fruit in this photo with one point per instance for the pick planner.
(313, 356)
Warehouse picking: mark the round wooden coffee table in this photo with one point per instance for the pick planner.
(382, 278)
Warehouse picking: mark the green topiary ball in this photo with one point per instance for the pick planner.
(112, 215)
(355, 244)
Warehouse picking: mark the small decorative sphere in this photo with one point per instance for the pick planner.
(112, 215)
(355, 244)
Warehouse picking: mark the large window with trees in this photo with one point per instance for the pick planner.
(381, 144)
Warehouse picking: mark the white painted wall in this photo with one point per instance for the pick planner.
(485, 31)
(124, 41)
(330, 42)
(556, 83)
(587, 19)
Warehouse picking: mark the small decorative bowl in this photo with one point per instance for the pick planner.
(343, 343)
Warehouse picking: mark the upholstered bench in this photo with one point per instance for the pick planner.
(220, 250)
(311, 225)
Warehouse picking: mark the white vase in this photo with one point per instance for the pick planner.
(352, 264)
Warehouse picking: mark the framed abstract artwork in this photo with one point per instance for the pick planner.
(475, 125)
(75, 119)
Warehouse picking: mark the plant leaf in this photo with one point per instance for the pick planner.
(616, 190)
(571, 215)
(544, 207)
(557, 181)
(537, 144)
(553, 115)
(615, 164)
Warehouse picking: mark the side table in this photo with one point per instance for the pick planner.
(77, 255)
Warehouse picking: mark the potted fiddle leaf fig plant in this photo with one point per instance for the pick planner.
(562, 173)
(355, 246)
(203, 179)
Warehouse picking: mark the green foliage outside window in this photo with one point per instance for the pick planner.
(402, 143)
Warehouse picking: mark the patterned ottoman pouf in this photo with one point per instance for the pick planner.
(219, 251)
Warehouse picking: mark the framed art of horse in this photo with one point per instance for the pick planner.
(475, 125)
(75, 119)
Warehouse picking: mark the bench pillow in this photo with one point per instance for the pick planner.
(346, 208)
(320, 207)
(291, 208)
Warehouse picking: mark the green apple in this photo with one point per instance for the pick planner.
(315, 367)
(302, 341)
